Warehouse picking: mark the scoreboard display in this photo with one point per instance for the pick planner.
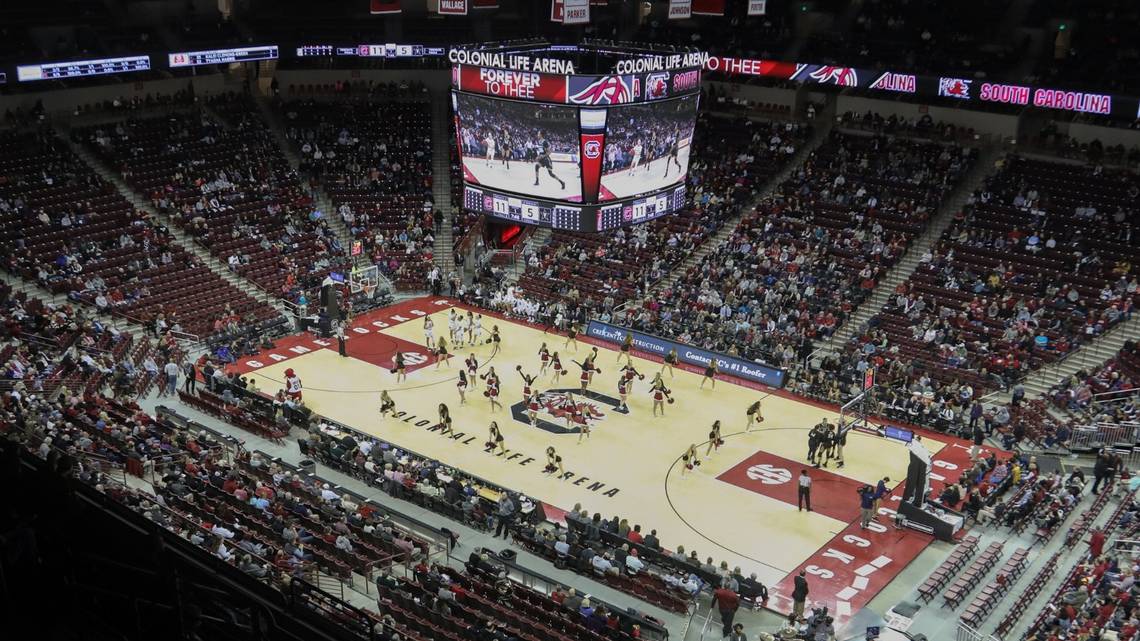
(641, 210)
(528, 211)
(222, 56)
(81, 68)
(390, 50)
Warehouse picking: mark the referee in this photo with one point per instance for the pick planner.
(340, 339)
(804, 496)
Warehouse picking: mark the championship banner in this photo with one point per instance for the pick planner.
(592, 142)
(729, 365)
(522, 85)
(484, 4)
(575, 11)
(556, 10)
(680, 9)
(452, 7)
(757, 7)
(708, 7)
(381, 7)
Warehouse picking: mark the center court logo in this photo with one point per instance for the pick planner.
(555, 405)
(769, 474)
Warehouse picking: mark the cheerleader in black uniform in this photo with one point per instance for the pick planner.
(495, 439)
(553, 462)
(387, 404)
(528, 381)
(670, 362)
(461, 385)
(710, 375)
(401, 369)
(544, 359)
(572, 337)
(715, 441)
(492, 391)
(660, 395)
(689, 460)
(532, 407)
(556, 365)
(494, 341)
(441, 355)
(754, 416)
(626, 347)
(444, 420)
(588, 369)
(472, 365)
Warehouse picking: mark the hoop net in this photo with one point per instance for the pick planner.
(364, 279)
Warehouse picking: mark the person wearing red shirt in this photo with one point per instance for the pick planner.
(634, 535)
(1096, 543)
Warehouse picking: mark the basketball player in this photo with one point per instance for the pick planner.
(401, 368)
(386, 404)
(556, 365)
(429, 332)
(637, 148)
(453, 327)
(672, 158)
(827, 445)
(292, 385)
(754, 416)
(505, 152)
(461, 385)
(571, 336)
(553, 462)
(495, 340)
(670, 362)
(626, 346)
(475, 328)
(689, 459)
(544, 162)
(660, 395)
(840, 441)
(441, 355)
(544, 359)
(710, 374)
(492, 391)
(815, 439)
(468, 325)
(489, 145)
(444, 420)
(715, 441)
(472, 365)
(494, 439)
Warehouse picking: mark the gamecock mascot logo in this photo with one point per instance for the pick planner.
(607, 90)
(840, 76)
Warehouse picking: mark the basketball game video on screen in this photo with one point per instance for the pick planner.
(647, 147)
(520, 147)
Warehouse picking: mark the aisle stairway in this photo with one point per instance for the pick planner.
(441, 126)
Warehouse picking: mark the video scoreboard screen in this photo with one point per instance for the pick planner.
(81, 68)
(640, 210)
(569, 216)
(389, 50)
(222, 56)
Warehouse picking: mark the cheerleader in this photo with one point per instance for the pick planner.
(528, 381)
(532, 407)
(556, 365)
(544, 359)
(429, 332)
(572, 337)
(629, 372)
(670, 362)
(754, 416)
(444, 420)
(710, 374)
(715, 441)
(401, 368)
(441, 355)
(660, 395)
(553, 462)
(472, 365)
(492, 391)
(689, 460)
(588, 370)
(623, 392)
(494, 440)
(462, 387)
(494, 341)
(387, 404)
(475, 326)
(626, 346)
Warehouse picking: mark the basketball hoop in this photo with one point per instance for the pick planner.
(368, 288)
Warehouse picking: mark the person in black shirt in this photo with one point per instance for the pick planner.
(544, 162)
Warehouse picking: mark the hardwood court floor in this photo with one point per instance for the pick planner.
(737, 506)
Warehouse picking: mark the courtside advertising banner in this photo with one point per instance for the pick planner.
(729, 365)
(757, 7)
(680, 9)
(452, 7)
(381, 7)
(593, 140)
(575, 11)
(708, 7)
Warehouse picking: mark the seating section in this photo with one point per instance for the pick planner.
(374, 159)
(946, 570)
(795, 267)
(228, 186)
(66, 228)
(962, 586)
(983, 603)
(1031, 591)
(601, 271)
(1107, 394)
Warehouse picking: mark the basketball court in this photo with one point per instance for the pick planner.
(739, 505)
